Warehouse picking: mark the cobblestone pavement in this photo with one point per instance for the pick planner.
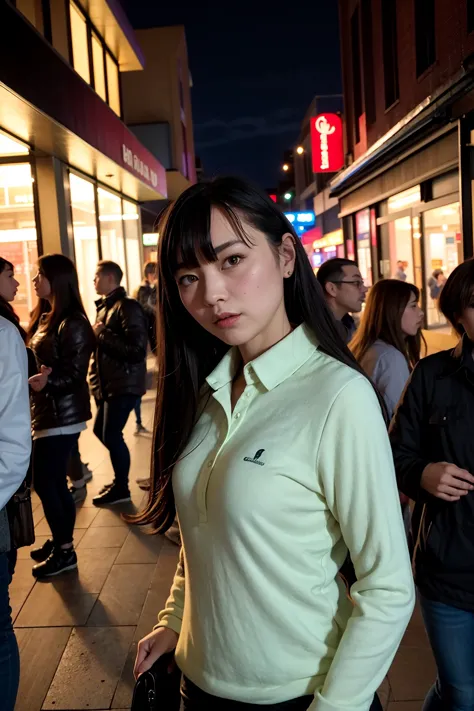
(78, 634)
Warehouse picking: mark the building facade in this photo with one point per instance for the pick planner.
(72, 175)
(405, 197)
(312, 191)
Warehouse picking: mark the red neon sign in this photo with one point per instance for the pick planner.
(327, 143)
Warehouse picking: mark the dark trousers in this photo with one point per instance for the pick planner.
(111, 418)
(138, 411)
(50, 467)
(196, 700)
(75, 470)
(9, 657)
(451, 634)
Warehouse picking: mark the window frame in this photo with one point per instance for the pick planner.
(92, 29)
(470, 17)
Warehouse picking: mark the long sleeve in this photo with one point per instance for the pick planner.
(130, 346)
(406, 436)
(360, 489)
(15, 423)
(390, 376)
(172, 615)
(76, 342)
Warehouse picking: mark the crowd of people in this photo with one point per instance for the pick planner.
(288, 443)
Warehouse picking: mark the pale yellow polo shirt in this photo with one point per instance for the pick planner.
(270, 498)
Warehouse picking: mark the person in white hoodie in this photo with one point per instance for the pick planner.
(15, 449)
(271, 447)
(388, 341)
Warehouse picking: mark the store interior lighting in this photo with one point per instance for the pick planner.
(10, 147)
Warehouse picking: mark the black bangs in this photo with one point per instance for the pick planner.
(187, 233)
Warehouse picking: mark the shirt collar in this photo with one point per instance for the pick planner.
(272, 367)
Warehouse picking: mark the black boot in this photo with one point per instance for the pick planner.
(41, 554)
(58, 562)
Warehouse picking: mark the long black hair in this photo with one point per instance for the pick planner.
(186, 352)
(65, 295)
(6, 309)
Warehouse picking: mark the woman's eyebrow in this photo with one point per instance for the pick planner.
(217, 250)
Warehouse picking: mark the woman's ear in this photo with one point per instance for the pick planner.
(287, 255)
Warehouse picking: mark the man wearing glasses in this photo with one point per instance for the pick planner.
(344, 289)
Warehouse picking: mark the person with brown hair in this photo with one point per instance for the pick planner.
(388, 341)
(62, 341)
(433, 448)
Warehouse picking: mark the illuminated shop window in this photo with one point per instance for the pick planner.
(131, 225)
(86, 243)
(99, 71)
(111, 230)
(113, 84)
(18, 231)
(80, 47)
(10, 147)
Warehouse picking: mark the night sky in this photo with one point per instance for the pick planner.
(255, 71)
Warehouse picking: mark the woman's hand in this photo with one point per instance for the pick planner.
(152, 647)
(38, 382)
(446, 481)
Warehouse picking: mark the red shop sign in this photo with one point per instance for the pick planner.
(327, 143)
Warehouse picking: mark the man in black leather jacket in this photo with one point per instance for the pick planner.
(118, 372)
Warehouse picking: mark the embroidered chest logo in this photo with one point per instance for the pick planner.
(256, 458)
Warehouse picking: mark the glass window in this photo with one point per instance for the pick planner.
(364, 258)
(99, 71)
(18, 231)
(113, 84)
(397, 250)
(131, 224)
(443, 252)
(10, 147)
(80, 46)
(86, 245)
(111, 230)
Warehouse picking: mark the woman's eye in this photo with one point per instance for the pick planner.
(233, 260)
(187, 279)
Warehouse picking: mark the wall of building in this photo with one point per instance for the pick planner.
(162, 93)
(454, 44)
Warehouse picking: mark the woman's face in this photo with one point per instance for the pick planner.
(239, 298)
(412, 319)
(8, 284)
(42, 286)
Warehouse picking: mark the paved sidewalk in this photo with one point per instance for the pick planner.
(78, 633)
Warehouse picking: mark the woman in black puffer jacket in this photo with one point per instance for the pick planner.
(62, 340)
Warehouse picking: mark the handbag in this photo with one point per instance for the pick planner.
(158, 689)
(20, 518)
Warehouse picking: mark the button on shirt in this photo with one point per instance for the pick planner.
(269, 498)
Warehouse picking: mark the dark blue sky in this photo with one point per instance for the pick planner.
(255, 71)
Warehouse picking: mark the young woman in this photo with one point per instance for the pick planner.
(276, 475)
(62, 340)
(433, 449)
(388, 341)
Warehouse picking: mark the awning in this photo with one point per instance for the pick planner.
(309, 236)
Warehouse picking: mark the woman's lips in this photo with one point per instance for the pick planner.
(228, 321)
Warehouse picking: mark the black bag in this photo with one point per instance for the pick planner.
(158, 689)
(20, 518)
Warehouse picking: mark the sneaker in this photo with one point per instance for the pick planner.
(78, 493)
(58, 562)
(112, 496)
(106, 488)
(41, 554)
(86, 472)
(144, 484)
(140, 430)
(173, 534)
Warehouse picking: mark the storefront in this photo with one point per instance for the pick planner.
(406, 222)
(72, 175)
(327, 247)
